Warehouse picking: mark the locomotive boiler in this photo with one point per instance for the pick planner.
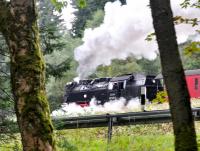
(144, 87)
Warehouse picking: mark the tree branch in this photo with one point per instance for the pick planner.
(7, 94)
(1, 71)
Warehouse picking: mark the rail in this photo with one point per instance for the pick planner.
(121, 119)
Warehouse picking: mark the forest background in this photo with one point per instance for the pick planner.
(58, 44)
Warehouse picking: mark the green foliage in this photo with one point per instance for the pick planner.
(59, 4)
(6, 104)
(185, 3)
(10, 142)
(161, 97)
(97, 19)
(82, 3)
(191, 48)
(181, 19)
(9, 125)
(192, 62)
(150, 37)
(150, 66)
(58, 47)
(190, 55)
(118, 67)
(17, 147)
(85, 13)
(55, 92)
(53, 40)
(6, 99)
(130, 65)
(189, 3)
(57, 63)
(51, 28)
(61, 69)
(55, 87)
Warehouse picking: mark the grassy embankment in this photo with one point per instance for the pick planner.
(155, 137)
(128, 138)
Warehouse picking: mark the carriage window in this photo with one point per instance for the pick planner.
(196, 83)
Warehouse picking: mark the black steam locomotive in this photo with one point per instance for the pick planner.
(103, 90)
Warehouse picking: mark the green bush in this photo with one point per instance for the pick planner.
(161, 97)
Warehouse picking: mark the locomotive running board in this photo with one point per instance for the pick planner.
(121, 119)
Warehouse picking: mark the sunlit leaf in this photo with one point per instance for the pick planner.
(82, 3)
(193, 47)
(59, 5)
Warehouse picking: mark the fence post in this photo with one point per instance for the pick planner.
(110, 125)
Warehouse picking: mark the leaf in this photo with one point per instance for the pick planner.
(150, 37)
(185, 4)
(59, 5)
(82, 3)
(193, 47)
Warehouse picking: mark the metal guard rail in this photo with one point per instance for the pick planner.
(121, 119)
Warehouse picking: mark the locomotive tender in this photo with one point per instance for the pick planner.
(144, 87)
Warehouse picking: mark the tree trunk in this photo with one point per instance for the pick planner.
(173, 73)
(28, 77)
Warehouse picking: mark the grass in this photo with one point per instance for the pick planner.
(155, 137)
(122, 143)
(152, 137)
(128, 138)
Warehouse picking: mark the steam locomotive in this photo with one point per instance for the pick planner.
(144, 87)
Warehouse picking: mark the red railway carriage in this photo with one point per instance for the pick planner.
(193, 82)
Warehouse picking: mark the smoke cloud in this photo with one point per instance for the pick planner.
(116, 106)
(123, 33)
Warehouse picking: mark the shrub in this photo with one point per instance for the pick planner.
(161, 97)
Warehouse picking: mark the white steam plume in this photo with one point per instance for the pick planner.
(123, 33)
(116, 106)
